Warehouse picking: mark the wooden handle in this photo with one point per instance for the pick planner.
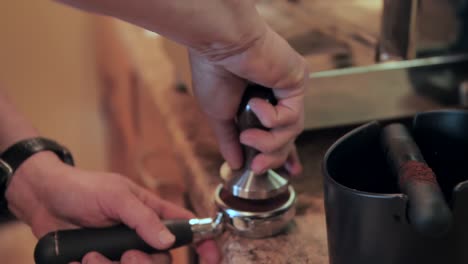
(246, 118)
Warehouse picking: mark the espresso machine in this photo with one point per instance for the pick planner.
(377, 59)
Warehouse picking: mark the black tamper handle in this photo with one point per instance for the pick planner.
(427, 209)
(65, 246)
(246, 118)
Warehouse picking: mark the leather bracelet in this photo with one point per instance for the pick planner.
(12, 158)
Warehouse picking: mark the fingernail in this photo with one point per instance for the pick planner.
(260, 170)
(236, 167)
(293, 169)
(211, 259)
(233, 165)
(245, 138)
(132, 260)
(166, 238)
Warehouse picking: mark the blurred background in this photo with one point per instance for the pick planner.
(48, 68)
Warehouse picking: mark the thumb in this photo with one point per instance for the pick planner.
(147, 224)
(219, 93)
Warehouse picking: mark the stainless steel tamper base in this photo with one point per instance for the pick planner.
(258, 223)
(246, 184)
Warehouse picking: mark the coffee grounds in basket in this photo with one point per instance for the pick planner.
(247, 205)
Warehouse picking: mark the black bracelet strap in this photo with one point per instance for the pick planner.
(12, 158)
(22, 150)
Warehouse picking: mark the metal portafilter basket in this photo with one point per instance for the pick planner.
(249, 205)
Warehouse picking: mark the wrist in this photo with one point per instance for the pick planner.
(239, 28)
(29, 183)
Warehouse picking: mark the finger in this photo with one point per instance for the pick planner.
(265, 161)
(135, 257)
(144, 220)
(285, 113)
(95, 258)
(293, 163)
(163, 208)
(138, 257)
(272, 62)
(161, 258)
(207, 249)
(209, 252)
(228, 140)
(269, 141)
(219, 93)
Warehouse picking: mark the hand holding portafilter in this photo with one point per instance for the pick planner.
(255, 218)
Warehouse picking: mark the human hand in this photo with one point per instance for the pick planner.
(50, 195)
(219, 79)
(229, 43)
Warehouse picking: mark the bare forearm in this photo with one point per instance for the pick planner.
(199, 24)
(13, 125)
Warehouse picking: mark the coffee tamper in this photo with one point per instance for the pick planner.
(244, 183)
(264, 202)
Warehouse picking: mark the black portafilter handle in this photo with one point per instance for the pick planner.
(427, 209)
(65, 246)
(246, 118)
